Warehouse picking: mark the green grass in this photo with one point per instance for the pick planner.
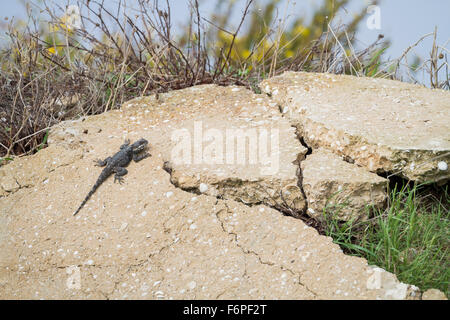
(44, 141)
(410, 238)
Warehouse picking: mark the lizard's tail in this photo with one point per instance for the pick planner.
(87, 197)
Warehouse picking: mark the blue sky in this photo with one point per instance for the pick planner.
(402, 21)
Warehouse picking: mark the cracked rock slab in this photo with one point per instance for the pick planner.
(20, 174)
(148, 239)
(251, 183)
(299, 250)
(251, 156)
(383, 125)
(340, 188)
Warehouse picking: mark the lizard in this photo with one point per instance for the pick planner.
(116, 164)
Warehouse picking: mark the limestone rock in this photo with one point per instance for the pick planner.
(342, 189)
(148, 238)
(433, 294)
(19, 174)
(251, 156)
(392, 288)
(383, 125)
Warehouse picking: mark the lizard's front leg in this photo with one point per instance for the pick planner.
(126, 144)
(119, 173)
(102, 163)
(138, 157)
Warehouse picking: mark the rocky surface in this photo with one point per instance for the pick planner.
(342, 189)
(174, 230)
(433, 294)
(383, 125)
(234, 145)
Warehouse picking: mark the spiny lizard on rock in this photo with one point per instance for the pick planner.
(116, 164)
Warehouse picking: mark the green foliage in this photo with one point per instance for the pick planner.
(4, 160)
(410, 238)
(44, 141)
(373, 66)
(271, 45)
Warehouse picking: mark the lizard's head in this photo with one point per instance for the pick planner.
(140, 144)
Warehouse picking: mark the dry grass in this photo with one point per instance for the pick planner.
(53, 70)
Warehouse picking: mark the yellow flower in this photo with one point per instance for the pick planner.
(305, 32)
(70, 21)
(246, 53)
(65, 23)
(51, 50)
(53, 28)
(224, 36)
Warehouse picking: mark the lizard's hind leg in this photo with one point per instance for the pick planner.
(119, 173)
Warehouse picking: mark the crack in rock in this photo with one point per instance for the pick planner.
(169, 169)
(382, 129)
(283, 195)
(255, 254)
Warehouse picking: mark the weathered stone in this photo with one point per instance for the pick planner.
(148, 239)
(19, 174)
(343, 190)
(393, 289)
(433, 294)
(251, 156)
(383, 125)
